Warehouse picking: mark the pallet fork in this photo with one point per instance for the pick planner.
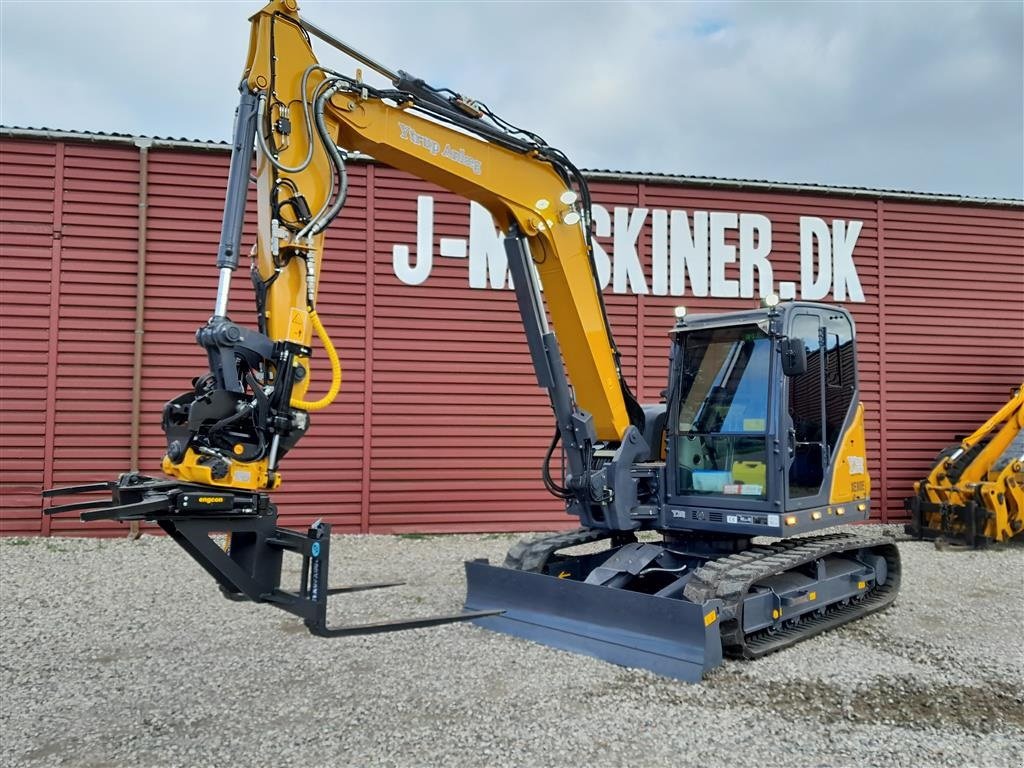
(248, 567)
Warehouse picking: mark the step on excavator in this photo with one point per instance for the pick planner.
(760, 436)
(973, 495)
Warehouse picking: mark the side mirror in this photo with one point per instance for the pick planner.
(794, 357)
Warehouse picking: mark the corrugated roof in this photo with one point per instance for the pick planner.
(60, 134)
(766, 185)
(650, 177)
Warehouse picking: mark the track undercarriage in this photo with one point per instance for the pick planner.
(677, 605)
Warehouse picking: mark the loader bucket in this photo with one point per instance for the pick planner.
(668, 636)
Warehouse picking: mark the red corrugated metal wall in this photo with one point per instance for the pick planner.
(95, 322)
(952, 325)
(31, 180)
(451, 432)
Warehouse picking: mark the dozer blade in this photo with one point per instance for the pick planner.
(668, 636)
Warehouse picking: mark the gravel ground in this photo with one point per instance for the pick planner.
(123, 653)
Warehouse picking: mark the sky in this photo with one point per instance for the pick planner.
(924, 96)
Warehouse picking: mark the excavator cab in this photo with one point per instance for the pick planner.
(764, 432)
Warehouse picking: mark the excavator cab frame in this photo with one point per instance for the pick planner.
(754, 450)
(783, 380)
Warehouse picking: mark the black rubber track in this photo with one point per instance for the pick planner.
(729, 579)
(533, 554)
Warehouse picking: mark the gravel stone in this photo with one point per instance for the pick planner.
(121, 653)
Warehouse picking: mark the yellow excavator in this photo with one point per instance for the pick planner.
(974, 493)
(761, 433)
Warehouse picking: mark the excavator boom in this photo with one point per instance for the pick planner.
(528, 187)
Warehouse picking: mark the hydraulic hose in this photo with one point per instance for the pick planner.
(320, 222)
(332, 354)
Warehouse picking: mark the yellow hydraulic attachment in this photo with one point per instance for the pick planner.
(975, 491)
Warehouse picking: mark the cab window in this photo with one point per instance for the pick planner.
(840, 377)
(720, 444)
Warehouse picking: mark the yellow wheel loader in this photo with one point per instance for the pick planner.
(974, 494)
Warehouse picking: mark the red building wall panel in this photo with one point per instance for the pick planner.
(440, 425)
(954, 326)
(96, 319)
(29, 173)
(458, 422)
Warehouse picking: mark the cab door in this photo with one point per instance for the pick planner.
(805, 410)
(820, 403)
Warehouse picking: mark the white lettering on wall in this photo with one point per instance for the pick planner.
(755, 245)
(689, 253)
(405, 270)
(722, 254)
(626, 266)
(844, 273)
(488, 262)
(815, 262)
(659, 253)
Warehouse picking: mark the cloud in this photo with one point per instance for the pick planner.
(916, 96)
